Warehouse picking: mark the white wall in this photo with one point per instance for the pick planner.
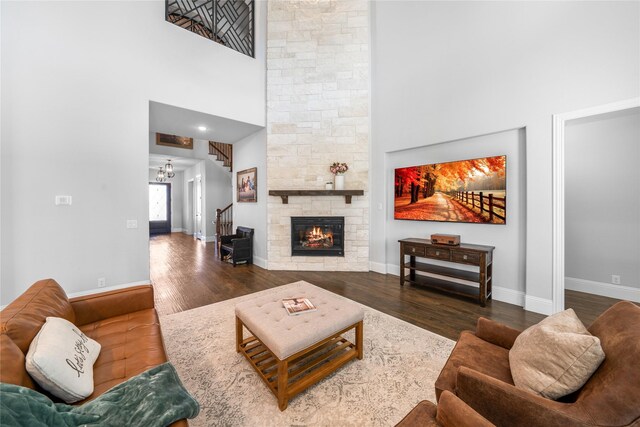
(76, 88)
(177, 191)
(192, 174)
(508, 239)
(444, 71)
(602, 200)
(189, 195)
(216, 195)
(177, 201)
(248, 153)
(187, 207)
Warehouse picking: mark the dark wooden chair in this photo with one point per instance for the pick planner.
(238, 246)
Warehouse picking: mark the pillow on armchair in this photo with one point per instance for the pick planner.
(555, 357)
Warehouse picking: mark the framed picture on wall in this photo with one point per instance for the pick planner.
(247, 185)
(473, 191)
(174, 141)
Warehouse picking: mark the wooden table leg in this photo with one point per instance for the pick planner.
(283, 379)
(359, 340)
(412, 272)
(401, 264)
(483, 281)
(239, 334)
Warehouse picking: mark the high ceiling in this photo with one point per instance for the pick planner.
(173, 120)
(179, 163)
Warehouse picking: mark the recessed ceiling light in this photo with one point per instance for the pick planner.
(202, 128)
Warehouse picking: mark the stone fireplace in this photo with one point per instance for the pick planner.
(317, 236)
(317, 114)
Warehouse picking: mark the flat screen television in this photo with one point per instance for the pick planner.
(472, 190)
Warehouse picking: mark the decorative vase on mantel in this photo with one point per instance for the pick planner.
(338, 170)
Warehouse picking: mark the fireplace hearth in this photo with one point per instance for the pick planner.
(317, 236)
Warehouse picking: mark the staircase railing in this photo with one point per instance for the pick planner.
(223, 152)
(224, 222)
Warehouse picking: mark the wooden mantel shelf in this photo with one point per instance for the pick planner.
(284, 194)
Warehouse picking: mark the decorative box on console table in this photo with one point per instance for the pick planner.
(473, 284)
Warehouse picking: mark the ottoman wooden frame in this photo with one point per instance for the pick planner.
(288, 377)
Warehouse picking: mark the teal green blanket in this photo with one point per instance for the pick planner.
(153, 398)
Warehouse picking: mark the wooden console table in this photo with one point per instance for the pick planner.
(448, 279)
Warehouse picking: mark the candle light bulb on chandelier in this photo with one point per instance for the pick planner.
(169, 169)
(160, 177)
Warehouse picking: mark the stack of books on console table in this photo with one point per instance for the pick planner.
(296, 306)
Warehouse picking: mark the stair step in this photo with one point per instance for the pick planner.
(223, 153)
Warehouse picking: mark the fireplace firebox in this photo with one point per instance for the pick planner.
(317, 236)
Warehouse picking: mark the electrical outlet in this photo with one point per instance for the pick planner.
(63, 200)
(102, 282)
(132, 223)
(615, 279)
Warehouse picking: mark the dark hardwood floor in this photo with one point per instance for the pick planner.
(187, 273)
(587, 306)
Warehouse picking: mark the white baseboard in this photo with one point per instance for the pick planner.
(538, 305)
(510, 296)
(107, 288)
(177, 230)
(507, 295)
(394, 270)
(377, 267)
(208, 239)
(260, 262)
(604, 289)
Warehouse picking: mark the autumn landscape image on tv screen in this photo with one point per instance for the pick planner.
(463, 191)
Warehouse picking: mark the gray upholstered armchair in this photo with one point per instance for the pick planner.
(238, 246)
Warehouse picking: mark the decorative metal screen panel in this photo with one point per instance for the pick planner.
(228, 22)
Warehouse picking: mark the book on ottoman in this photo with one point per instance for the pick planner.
(295, 306)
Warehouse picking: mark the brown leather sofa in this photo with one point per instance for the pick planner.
(478, 372)
(450, 412)
(124, 322)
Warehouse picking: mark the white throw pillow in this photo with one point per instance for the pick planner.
(61, 358)
(555, 357)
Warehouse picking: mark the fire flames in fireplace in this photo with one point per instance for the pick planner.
(315, 237)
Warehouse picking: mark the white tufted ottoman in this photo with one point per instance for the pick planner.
(292, 353)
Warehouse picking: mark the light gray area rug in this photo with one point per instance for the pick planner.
(401, 363)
